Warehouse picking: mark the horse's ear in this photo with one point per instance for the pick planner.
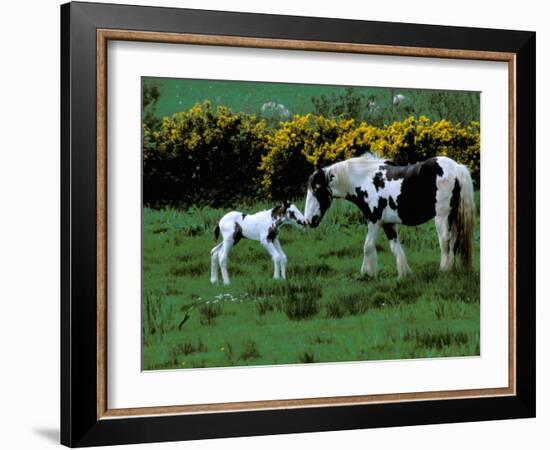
(319, 177)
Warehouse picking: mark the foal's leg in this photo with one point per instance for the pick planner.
(283, 257)
(223, 254)
(391, 231)
(369, 250)
(270, 247)
(446, 243)
(214, 263)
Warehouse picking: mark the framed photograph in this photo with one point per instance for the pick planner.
(276, 224)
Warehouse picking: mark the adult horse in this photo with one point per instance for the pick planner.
(390, 195)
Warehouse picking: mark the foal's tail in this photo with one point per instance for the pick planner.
(465, 222)
(216, 233)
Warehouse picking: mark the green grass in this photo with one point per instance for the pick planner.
(325, 311)
(248, 97)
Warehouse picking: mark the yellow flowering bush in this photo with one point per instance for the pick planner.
(307, 142)
(222, 158)
(203, 155)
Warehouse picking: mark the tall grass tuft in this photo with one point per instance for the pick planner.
(436, 339)
(263, 305)
(250, 350)
(297, 299)
(188, 347)
(308, 357)
(209, 311)
(299, 305)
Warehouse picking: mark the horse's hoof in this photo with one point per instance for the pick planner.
(370, 276)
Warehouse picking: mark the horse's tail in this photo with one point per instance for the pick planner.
(465, 221)
(216, 233)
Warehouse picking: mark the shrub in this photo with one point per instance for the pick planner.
(202, 154)
(283, 167)
(223, 158)
(307, 142)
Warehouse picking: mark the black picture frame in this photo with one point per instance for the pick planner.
(80, 425)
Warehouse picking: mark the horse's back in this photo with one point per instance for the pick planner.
(228, 221)
(417, 200)
(414, 172)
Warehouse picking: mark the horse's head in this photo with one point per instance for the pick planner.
(319, 197)
(288, 213)
(293, 215)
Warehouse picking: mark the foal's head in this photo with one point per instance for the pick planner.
(289, 214)
(319, 197)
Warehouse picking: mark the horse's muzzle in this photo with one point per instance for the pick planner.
(314, 222)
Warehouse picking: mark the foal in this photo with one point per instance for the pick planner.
(262, 226)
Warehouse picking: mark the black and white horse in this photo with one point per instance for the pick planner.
(262, 226)
(390, 195)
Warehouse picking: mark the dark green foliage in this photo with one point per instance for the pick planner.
(380, 109)
(151, 92)
(202, 154)
(351, 104)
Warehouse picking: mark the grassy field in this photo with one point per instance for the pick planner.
(325, 311)
(248, 97)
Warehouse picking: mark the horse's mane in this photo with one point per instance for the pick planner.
(352, 169)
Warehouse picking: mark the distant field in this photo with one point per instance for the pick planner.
(248, 97)
(325, 311)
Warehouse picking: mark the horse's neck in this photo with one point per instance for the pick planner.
(277, 221)
(341, 184)
(266, 217)
(347, 178)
